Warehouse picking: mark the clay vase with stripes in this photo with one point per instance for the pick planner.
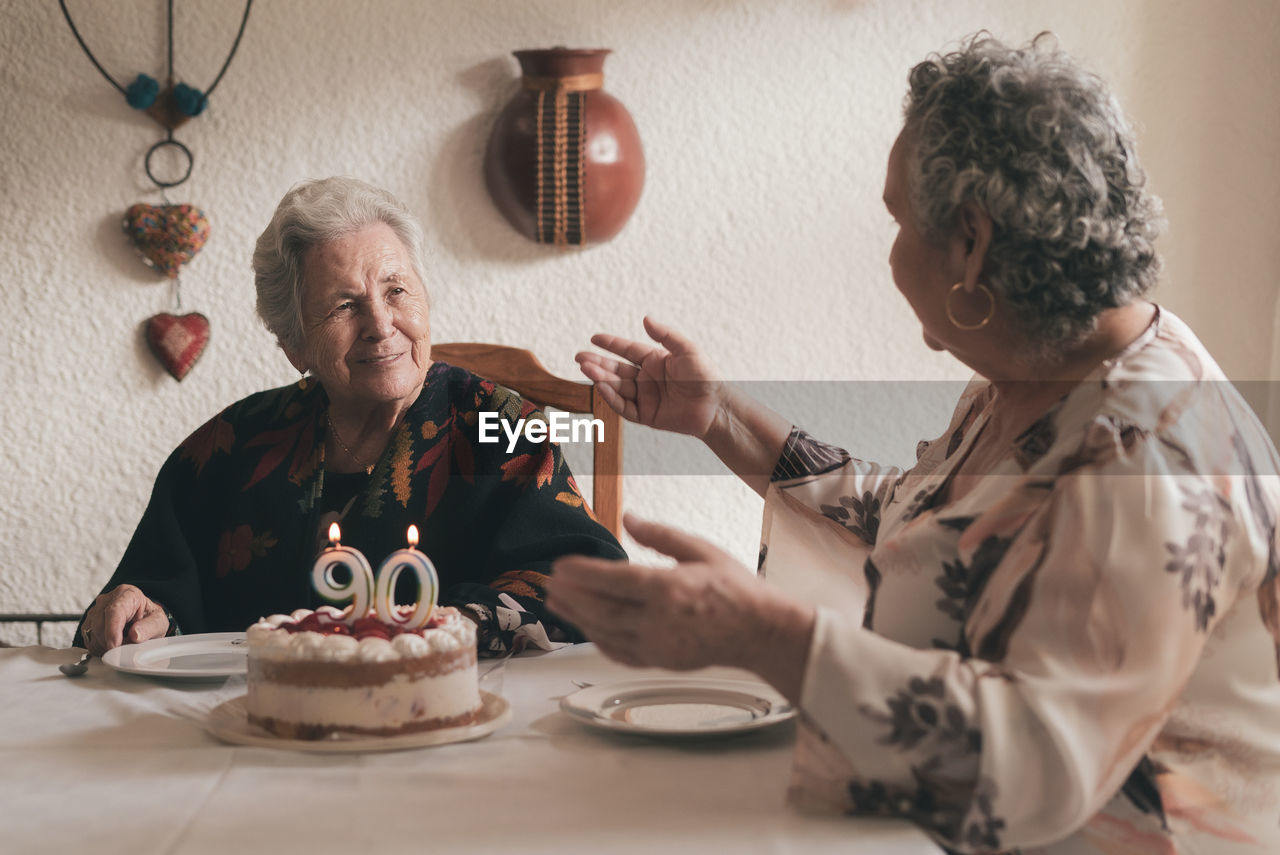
(564, 162)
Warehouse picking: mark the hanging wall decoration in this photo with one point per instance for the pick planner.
(564, 162)
(167, 236)
(177, 340)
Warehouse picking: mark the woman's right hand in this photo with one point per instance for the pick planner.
(673, 387)
(122, 615)
(670, 386)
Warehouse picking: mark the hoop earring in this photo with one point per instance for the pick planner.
(991, 308)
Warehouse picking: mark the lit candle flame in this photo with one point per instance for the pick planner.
(335, 534)
(412, 536)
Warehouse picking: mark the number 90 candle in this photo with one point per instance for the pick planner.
(365, 588)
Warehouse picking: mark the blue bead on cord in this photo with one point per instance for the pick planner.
(142, 92)
(189, 100)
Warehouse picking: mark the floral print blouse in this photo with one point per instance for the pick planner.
(1080, 655)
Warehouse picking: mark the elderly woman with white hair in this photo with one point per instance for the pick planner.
(1060, 627)
(375, 436)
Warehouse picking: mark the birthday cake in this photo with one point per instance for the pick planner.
(316, 674)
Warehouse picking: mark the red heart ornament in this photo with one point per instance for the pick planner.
(177, 341)
(168, 236)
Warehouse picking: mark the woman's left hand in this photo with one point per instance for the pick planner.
(706, 610)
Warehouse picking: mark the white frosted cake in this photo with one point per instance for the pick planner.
(313, 674)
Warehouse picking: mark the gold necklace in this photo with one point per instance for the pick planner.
(368, 468)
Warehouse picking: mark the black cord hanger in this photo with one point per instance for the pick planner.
(173, 106)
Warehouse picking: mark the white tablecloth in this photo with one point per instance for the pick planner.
(117, 763)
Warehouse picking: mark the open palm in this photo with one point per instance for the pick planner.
(668, 386)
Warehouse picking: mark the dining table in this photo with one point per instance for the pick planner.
(121, 762)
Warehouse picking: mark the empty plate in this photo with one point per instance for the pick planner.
(681, 707)
(204, 656)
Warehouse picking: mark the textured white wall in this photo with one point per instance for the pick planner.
(760, 232)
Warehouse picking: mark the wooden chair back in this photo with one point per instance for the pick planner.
(520, 371)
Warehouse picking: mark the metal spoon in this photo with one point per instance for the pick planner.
(76, 669)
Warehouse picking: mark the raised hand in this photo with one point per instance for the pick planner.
(668, 386)
(707, 610)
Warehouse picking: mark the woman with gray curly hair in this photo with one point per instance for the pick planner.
(1059, 631)
(375, 437)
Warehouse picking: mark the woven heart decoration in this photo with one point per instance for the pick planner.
(168, 236)
(177, 340)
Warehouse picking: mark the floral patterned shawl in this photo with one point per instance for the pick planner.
(239, 512)
(1080, 655)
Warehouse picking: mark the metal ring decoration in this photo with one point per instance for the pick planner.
(170, 141)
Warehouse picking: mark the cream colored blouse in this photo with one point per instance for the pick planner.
(1080, 655)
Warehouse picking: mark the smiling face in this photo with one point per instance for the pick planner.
(365, 320)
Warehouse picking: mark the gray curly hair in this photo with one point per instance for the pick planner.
(1042, 147)
(311, 213)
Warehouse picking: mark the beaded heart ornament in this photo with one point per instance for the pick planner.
(167, 236)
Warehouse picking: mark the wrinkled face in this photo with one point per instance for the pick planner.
(924, 270)
(365, 321)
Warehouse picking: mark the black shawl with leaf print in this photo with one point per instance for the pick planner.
(239, 512)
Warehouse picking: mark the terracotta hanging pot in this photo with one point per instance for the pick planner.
(564, 162)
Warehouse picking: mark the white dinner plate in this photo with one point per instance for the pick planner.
(679, 707)
(204, 656)
(229, 721)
